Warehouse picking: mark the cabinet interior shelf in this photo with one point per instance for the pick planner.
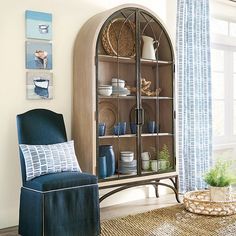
(134, 135)
(134, 174)
(134, 97)
(131, 60)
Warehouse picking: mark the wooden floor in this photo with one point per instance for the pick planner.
(120, 210)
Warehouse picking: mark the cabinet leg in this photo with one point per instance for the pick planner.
(156, 189)
(176, 185)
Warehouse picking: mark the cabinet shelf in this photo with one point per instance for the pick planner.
(156, 134)
(118, 136)
(134, 97)
(131, 60)
(118, 176)
(134, 174)
(134, 135)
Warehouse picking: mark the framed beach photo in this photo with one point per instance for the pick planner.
(39, 85)
(38, 25)
(38, 55)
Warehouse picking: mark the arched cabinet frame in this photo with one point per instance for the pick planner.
(85, 119)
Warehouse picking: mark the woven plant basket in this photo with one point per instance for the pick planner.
(199, 202)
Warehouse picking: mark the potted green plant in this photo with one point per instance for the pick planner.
(164, 158)
(219, 178)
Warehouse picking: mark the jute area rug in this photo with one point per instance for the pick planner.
(171, 221)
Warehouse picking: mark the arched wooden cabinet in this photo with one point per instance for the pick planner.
(130, 44)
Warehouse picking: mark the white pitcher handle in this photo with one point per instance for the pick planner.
(157, 42)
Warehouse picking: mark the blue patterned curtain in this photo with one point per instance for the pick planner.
(194, 93)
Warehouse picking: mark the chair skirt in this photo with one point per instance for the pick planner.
(64, 212)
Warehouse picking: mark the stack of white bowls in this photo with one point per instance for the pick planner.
(127, 164)
(126, 156)
(105, 90)
(118, 87)
(118, 82)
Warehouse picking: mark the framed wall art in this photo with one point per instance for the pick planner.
(39, 85)
(38, 55)
(38, 25)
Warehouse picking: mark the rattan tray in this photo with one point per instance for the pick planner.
(199, 202)
(118, 38)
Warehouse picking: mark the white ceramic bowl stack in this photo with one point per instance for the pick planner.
(105, 90)
(127, 164)
(118, 87)
(126, 156)
(118, 82)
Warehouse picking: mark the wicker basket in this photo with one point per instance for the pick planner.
(199, 202)
(118, 38)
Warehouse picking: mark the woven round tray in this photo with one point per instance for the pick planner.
(199, 202)
(118, 38)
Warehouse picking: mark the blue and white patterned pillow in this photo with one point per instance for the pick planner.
(45, 159)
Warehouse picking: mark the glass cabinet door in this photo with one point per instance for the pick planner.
(116, 100)
(156, 90)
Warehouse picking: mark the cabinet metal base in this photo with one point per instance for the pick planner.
(154, 182)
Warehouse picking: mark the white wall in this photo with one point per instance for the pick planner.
(68, 17)
(223, 9)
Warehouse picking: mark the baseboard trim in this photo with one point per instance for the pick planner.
(10, 231)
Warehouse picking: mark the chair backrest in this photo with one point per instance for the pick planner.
(39, 127)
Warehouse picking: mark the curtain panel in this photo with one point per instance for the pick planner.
(194, 93)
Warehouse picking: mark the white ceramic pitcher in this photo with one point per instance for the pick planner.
(148, 51)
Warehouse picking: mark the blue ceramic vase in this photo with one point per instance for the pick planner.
(107, 150)
(102, 167)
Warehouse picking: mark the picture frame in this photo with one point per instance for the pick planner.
(38, 25)
(38, 55)
(39, 85)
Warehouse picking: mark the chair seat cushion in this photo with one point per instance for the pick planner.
(60, 180)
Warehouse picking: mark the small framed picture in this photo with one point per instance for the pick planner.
(38, 25)
(39, 85)
(38, 55)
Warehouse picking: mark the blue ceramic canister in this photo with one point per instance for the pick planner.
(107, 150)
(102, 167)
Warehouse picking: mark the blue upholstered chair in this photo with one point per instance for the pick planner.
(55, 204)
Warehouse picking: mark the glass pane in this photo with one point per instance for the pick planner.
(234, 117)
(223, 154)
(217, 60)
(234, 61)
(218, 118)
(234, 86)
(217, 85)
(219, 26)
(232, 28)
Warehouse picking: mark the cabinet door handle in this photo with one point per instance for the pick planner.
(139, 115)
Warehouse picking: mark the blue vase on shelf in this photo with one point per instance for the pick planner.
(107, 151)
(102, 167)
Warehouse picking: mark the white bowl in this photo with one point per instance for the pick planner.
(117, 80)
(126, 158)
(104, 86)
(125, 153)
(105, 91)
(118, 83)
